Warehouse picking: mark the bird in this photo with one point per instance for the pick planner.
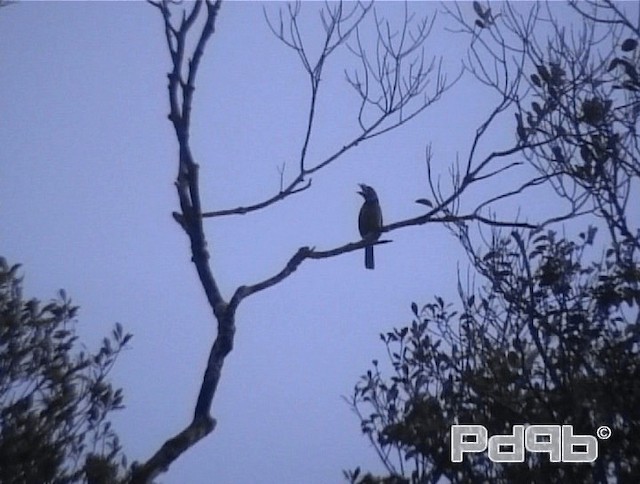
(369, 221)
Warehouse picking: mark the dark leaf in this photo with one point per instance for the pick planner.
(414, 308)
(478, 8)
(614, 63)
(629, 45)
(558, 155)
(489, 255)
(424, 201)
(544, 73)
(536, 107)
(536, 80)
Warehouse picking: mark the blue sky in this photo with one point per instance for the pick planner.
(87, 166)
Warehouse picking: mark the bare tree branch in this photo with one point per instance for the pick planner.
(403, 85)
(181, 90)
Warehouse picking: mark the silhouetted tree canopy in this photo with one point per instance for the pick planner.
(55, 398)
(550, 338)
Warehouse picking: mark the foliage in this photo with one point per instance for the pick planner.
(54, 401)
(551, 338)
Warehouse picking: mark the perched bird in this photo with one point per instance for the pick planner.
(369, 221)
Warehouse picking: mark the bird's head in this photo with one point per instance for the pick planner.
(368, 193)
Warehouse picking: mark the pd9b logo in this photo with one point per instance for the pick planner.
(559, 442)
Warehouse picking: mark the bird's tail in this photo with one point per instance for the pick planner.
(368, 257)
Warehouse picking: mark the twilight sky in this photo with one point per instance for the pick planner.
(87, 166)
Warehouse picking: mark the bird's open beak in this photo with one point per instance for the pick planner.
(361, 192)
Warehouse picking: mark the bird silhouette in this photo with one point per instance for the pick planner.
(369, 221)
